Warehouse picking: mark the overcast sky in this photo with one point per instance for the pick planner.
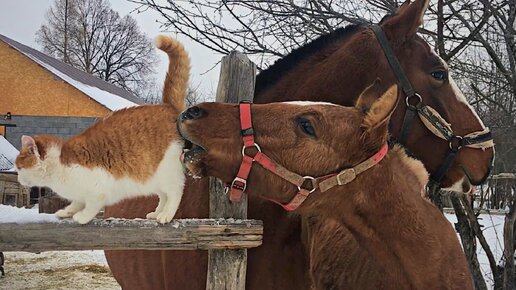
(20, 19)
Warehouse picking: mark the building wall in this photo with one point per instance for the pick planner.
(65, 127)
(28, 89)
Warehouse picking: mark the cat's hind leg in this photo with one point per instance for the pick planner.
(159, 208)
(70, 209)
(91, 209)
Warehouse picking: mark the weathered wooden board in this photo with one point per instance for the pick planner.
(227, 268)
(118, 234)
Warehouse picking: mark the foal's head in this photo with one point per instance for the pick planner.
(310, 139)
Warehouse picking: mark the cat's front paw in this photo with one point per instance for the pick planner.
(164, 217)
(82, 217)
(63, 214)
(152, 215)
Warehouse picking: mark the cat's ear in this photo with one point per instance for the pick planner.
(29, 143)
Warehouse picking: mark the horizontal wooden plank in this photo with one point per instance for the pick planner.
(120, 234)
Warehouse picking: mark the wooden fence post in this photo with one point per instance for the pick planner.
(227, 268)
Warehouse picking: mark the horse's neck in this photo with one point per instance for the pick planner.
(337, 74)
(387, 215)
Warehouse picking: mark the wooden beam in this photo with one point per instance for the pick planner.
(227, 268)
(122, 234)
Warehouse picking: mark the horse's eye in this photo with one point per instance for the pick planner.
(306, 126)
(440, 75)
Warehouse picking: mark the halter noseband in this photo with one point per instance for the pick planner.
(239, 184)
(432, 120)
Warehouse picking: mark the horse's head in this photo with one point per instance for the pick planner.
(309, 139)
(432, 80)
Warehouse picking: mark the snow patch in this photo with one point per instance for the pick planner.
(11, 214)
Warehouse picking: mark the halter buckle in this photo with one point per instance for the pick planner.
(408, 98)
(346, 176)
(312, 180)
(458, 140)
(242, 186)
(254, 145)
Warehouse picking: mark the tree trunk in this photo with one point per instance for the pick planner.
(469, 242)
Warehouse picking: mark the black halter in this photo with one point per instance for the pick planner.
(430, 118)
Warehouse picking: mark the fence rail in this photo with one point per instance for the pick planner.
(118, 234)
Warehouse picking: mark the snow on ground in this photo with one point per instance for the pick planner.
(65, 270)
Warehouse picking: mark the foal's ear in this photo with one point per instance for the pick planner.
(407, 19)
(380, 109)
(369, 96)
(375, 124)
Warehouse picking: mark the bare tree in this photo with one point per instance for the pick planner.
(90, 36)
(155, 95)
(265, 29)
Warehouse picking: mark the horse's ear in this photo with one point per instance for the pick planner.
(369, 96)
(404, 5)
(407, 19)
(381, 108)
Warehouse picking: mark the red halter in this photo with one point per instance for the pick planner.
(239, 184)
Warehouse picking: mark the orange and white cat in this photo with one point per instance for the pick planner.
(131, 152)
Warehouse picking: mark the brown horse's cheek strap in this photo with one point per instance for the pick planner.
(442, 129)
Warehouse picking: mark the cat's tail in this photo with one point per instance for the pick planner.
(175, 88)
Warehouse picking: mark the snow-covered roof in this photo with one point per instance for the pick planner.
(106, 94)
(8, 155)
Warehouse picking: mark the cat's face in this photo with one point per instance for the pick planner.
(30, 162)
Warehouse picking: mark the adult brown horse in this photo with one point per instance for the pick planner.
(334, 68)
(406, 235)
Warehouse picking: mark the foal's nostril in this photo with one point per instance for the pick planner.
(192, 113)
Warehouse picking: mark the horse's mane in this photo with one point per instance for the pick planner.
(272, 74)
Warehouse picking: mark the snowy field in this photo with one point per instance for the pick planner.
(65, 270)
(85, 270)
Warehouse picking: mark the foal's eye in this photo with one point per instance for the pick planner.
(440, 75)
(306, 126)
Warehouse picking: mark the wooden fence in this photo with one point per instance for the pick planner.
(498, 193)
(226, 235)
